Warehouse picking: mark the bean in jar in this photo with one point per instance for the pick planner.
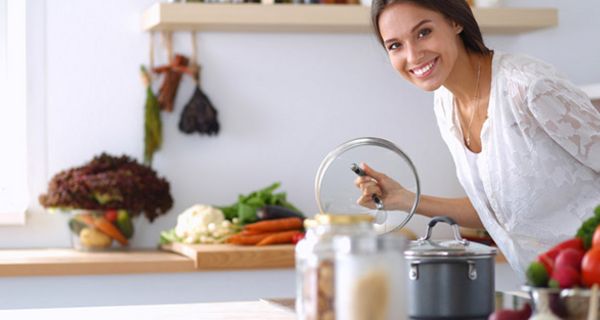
(315, 262)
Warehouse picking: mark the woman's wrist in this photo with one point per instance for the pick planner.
(403, 200)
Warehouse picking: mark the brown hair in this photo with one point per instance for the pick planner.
(454, 10)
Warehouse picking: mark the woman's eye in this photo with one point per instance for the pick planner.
(394, 46)
(424, 32)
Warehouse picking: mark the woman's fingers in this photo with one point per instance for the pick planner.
(370, 189)
(366, 201)
(372, 173)
(359, 181)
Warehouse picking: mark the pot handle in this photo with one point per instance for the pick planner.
(449, 221)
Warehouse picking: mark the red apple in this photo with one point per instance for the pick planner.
(567, 277)
(569, 257)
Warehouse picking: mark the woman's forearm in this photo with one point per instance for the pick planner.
(459, 209)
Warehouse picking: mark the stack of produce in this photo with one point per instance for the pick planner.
(237, 223)
(571, 263)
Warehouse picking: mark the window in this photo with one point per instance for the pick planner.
(13, 115)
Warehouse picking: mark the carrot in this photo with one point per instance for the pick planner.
(250, 233)
(279, 238)
(284, 224)
(86, 219)
(248, 240)
(110, 230)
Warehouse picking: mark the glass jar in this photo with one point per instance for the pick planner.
(370, 277)
(315, 262)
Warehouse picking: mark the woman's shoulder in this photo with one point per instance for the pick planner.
(523, 68)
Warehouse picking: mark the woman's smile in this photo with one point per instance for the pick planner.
(424, 70)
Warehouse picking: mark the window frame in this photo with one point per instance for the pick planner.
(13, 80)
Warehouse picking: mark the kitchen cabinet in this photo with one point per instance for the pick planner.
(317, 18)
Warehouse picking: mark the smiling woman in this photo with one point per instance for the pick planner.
(13, 138)
(525, 141)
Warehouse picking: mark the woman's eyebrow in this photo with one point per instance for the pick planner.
(422, 22)
(419, 24)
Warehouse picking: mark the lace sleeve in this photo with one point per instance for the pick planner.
(569, 117)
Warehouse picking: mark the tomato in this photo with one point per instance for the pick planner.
(110, 215)
(590, 267)
(297, 237)
(596, 238)
(547, 262)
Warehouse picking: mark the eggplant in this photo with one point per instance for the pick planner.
(270, 212)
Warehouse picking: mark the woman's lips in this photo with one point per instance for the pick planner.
(424, 70)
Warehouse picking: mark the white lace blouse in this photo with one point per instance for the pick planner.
(539, 167)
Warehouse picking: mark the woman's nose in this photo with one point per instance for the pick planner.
(414, 54)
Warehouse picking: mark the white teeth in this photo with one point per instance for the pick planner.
(421, 71)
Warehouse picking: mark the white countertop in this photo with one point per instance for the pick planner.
(248, 310)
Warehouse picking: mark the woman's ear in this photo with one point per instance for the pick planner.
(457, 27)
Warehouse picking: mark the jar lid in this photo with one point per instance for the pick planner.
(341, 219)
(337, 219)
(337, 194)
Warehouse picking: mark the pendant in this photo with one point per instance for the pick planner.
(468, 141)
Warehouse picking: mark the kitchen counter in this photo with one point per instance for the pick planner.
(250, 310)
(273, 309)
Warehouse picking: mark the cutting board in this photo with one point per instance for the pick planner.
(227, 257)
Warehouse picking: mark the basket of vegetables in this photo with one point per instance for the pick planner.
(103, 196)
(563, 279)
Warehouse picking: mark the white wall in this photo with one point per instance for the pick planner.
(284, 100)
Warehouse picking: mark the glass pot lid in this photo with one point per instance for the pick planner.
(336, 192)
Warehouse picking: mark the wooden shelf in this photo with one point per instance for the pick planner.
(183, 258)
(317, 18)
(59, 262)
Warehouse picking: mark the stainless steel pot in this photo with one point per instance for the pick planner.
(449, 279)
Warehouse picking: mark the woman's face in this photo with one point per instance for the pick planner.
(422, 44)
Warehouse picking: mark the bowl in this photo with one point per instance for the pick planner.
(100, 230)
(571, 304)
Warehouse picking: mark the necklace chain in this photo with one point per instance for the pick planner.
(476, 107)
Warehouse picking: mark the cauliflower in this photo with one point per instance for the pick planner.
(203, 224)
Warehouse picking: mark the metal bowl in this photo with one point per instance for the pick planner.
(571, 304)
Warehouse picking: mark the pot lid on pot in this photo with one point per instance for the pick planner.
(459, 247)
(336, 193)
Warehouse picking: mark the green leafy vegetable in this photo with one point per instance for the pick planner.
(586, 231)
(247, 205)
(152, 122)
(169, 236)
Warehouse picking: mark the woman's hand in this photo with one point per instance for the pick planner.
(393, 195)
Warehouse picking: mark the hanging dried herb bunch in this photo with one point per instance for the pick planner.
(109, 182)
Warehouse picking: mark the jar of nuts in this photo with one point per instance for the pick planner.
(315, 262)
